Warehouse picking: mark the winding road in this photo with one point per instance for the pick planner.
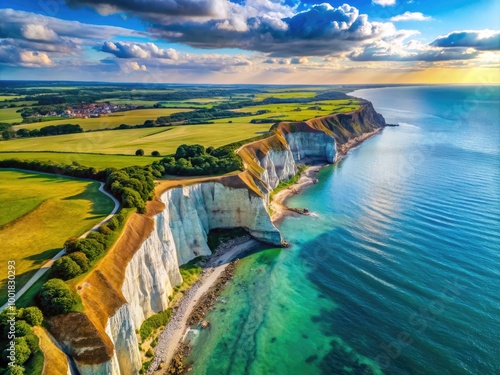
(49, 263)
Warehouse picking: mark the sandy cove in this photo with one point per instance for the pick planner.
(310, 177)
(171, 338)
(280, 211)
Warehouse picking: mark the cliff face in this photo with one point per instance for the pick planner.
(137, 276)
(179, 235)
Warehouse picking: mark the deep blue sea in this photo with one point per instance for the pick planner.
(397, 271)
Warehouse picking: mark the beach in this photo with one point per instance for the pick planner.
(175, 330)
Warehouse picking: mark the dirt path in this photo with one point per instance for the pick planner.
(46, 266)
(174, 332)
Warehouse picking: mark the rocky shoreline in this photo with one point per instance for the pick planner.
(197, 316)
(196, 302)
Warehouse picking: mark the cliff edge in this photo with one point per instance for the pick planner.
(137, 275)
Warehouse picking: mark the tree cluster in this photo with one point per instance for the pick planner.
(82, 252)
(194, 160)
(50, 130)
(56, 298)
(132, 186)
(42, 110)
(26, 342)
(199, 116)
(331, 95)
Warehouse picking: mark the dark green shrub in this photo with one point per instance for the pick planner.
(154, 322)
(155, 153)
(81, 259)
(139, 152)
(56, 298)
(65, 268)
(104, 230)
(15, 370)
(90, 247)
(189, 151)
(22, 354)
(22, 328)
(70, 245)
(131, 198)
(98, 236)
(32, 341)
(32, 315)
(194, 161)
(113, 223)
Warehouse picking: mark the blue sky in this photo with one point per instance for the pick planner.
(251, 41)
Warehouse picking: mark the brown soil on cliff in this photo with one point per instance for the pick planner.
(55, 361)
(101, 294)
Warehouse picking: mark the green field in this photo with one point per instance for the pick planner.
(291, 112)
(134, 117)
(148, 103)
(38, 213)
(286, 95)
(9, 97)
(10, 116)
(163, 139)
(98, 161)
(26, 103)
(185, 104)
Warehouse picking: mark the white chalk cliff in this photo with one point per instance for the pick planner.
(180, 234)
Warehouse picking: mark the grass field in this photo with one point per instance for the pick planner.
(9, 97)
(98, 161)
(164, 139)
(26, 103)
(134, 117)
(286, 95)
(38, 213)
(291, 112)
(9, 115)
(185, 104)
(149, 103)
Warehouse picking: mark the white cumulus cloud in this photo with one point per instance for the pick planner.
(384, 3)
(411, 16)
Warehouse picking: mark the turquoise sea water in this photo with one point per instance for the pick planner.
(397, 271)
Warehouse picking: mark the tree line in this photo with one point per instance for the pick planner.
(44, 131)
